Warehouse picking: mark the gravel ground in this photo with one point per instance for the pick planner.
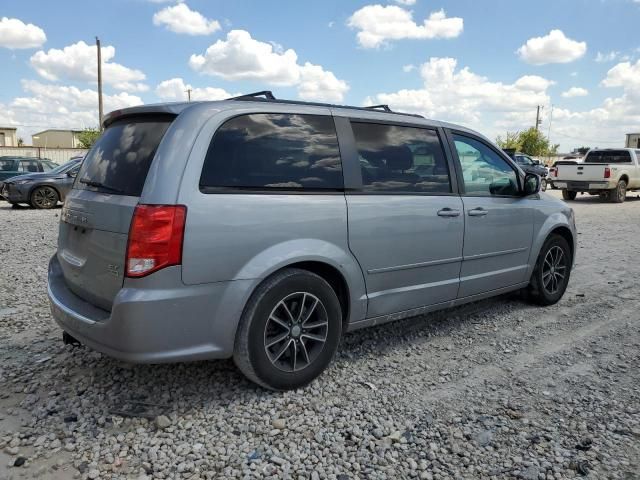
(497, 389)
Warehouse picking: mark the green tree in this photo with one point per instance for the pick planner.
(533, 142)
(512, 140)
(88, 137)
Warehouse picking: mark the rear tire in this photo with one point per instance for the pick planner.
(289, 331)
(619, 194)
(568, 195)
(551, 274)
(44, 198)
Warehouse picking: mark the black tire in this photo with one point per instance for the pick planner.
(568, 195)
(44, 197)
(252, 355)
(541, 288)
(619, 194)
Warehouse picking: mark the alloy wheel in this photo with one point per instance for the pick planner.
(554, 270)
(296, 331)
(45, 197)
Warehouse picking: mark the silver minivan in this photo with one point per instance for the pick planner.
(264, 229)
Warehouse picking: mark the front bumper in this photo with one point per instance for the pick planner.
(155, 319)
(14, 193)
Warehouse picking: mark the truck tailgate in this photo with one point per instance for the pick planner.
(580, 172)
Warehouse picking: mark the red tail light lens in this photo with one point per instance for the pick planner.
(554, 171)
(607, 172)
(155, 238)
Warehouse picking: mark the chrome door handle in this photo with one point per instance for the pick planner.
(478, 212)
(448, 212)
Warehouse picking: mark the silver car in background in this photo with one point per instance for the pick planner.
(263, 230)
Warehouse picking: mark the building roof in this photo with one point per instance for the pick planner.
(7, 128)
(57, 130)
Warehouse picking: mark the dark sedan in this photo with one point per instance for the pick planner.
(41, 190)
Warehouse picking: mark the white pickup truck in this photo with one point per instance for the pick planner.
(610, 173)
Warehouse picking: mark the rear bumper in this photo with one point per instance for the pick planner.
(156, 319)
(584, 186)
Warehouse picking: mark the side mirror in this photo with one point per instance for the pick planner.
(72, 174)
(531, 184)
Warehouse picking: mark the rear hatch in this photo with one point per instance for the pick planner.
(95, 219)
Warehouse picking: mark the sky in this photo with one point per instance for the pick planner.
(485, 64)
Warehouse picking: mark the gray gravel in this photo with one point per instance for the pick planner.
(497, 389)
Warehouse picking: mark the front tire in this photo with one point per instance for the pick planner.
(44, 198)
(568, 195)
(289, 331)
(551, 274)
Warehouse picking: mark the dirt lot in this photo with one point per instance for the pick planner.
(498, 389)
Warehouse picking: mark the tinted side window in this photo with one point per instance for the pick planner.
(274, 151)
(7, 165)
(484, 172)
(401, 159)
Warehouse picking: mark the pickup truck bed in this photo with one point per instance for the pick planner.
(608, 173)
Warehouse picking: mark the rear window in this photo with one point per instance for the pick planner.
(608, 156)
(274, 151)
(119, 161)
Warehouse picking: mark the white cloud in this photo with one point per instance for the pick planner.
(181, 19)
(175, 89)
(318, 84)
(410, 2)
(77, 62)
(552, 48)
(58, 106)
(626, 75)
(240, 57)
(377, 24)
(408, 68)
(460, 95)
(16, 34)
(534, 83)
(606, 57)
(575, 92)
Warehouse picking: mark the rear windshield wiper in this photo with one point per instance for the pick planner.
(91, 183)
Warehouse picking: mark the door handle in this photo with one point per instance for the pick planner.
(448, 212)
(478, 212)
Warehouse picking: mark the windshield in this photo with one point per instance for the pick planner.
(64, 167)
(608, 156)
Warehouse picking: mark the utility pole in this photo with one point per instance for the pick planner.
(189, 90)
(100, 112)
(550, 120)
(538, 119)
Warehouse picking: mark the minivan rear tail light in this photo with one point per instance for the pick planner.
(155, 238)
(554, 171)
(607, 172)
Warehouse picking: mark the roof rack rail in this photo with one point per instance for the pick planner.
(380, 107)
(267, 94)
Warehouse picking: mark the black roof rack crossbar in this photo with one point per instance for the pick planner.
(267, 94)
(380, 107)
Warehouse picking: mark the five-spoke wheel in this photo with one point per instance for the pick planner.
(550, 276)
(289, 331)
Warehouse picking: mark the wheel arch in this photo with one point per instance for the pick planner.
(557, 224)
